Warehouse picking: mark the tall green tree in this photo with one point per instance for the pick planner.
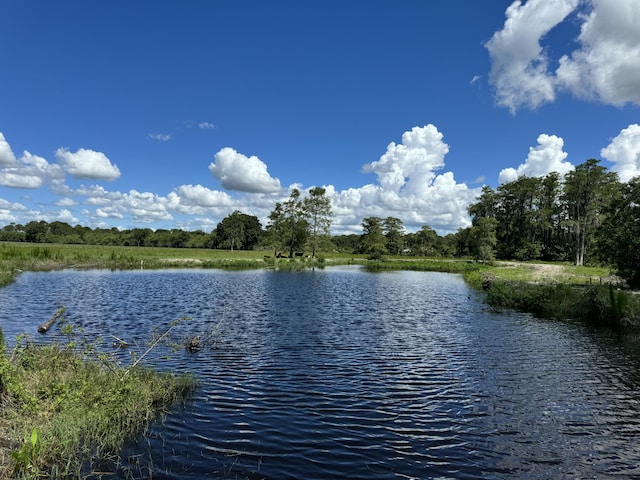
(393, 229)
(483, 239)
(487, 204)
(295, 222)
(531, 222)
(317, 209)
(518, 233)
(587, 190)
(619, 235)
(274, 235)
(550, 220)
(373, 241)
(288, 226)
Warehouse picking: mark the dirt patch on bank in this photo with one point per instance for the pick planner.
(538, 271)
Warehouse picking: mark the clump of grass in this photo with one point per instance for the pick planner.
(66, 412)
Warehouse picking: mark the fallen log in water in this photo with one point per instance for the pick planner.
(47, 325)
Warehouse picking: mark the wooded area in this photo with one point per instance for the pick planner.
(588, 217)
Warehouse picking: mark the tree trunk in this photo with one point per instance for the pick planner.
(49, 323)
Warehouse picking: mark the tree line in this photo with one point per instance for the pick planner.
(587, 217)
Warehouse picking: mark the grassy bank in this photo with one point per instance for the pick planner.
(559, 291)
(18, 257)
(67, 412)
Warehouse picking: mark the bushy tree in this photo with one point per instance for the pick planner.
(424, 242)
(373, 242)
(393, 229)
(238, 231)
(288, 227)
(619, 236)
(483, 239)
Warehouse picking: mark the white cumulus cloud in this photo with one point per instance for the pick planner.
(624, 152)
(245, 174)
(7, 158)
(605, 66)
(144, 207)
(408, 188)
(519, 70)
(31, 171)
(87, 164)
(412, 164)
(544, 158)
(203, 197)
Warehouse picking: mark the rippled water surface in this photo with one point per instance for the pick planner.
(345, 374)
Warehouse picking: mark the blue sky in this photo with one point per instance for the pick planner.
(166, 114)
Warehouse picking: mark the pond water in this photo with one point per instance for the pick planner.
(346, 374)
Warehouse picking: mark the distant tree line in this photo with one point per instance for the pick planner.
(589, 217)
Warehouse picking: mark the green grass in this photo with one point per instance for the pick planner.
(17, 257)
(604, 305)
(538, 272)
(66, 411)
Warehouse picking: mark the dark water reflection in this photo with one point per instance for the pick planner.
(345, 374)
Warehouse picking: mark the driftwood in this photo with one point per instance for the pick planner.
(49, 323)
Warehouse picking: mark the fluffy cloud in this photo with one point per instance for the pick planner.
(87, 164)
(411, 164)
(624, 152)
(145, 207)
(30, 171)
(63, 215)
(605, 67)
(7, 158)
(9, 209)
(409, 187)
(66, 202)
(244, 174)
(544, 158)
(203, 197)
(519, 63)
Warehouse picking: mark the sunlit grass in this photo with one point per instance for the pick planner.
(535, 272)
(64, 410)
